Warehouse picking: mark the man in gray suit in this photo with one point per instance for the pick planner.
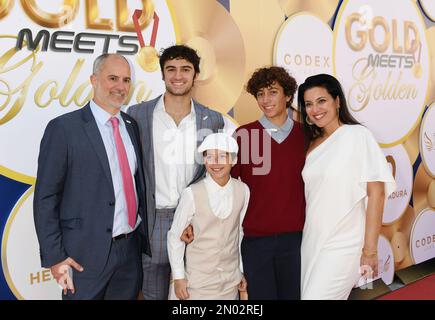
(89, 207)
(171, 127)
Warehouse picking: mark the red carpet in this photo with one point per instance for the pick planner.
(423, 289)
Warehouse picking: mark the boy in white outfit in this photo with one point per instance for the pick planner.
(210, 267)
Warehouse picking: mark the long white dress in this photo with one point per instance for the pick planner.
(336, 174)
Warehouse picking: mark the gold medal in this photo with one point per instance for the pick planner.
(148, 59)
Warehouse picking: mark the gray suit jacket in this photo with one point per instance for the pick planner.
(143, 114)
(74, 200)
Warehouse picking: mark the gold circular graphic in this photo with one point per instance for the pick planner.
(426, 141)
(430, 34)
(431, 194)
(5, 8)
(324, 9)
(148, 59)
(422, 182)
(246, 109)
(5, 239)
(204, 47)
(209, 28)
(417, 254)
(398, 234)
(386, 263)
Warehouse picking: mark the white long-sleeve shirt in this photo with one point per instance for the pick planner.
(221, 204)
(174, 153)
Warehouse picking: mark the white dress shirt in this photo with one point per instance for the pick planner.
(102, 117)
(221, 204)
(174, 153)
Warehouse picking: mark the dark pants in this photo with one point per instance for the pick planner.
(272, 266)
(121, 278)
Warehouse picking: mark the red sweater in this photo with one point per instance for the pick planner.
(277, 203)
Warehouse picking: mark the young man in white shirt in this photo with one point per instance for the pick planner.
(171, 127)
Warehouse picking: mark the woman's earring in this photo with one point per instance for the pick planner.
(307, 119)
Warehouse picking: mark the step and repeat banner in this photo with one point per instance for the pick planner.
(383, 52)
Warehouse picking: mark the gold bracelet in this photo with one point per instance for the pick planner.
(368, 253)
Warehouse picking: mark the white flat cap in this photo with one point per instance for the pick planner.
(219, 141)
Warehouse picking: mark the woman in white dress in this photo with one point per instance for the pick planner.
(347, 180)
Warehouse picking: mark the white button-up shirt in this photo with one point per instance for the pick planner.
(221, 205)
(174, 153)
(102, 117)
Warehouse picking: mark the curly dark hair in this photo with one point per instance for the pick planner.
(180, 52)
(264, 77)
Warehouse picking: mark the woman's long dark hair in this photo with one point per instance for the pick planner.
(332, 85)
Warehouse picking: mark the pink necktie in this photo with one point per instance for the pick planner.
(127, 179)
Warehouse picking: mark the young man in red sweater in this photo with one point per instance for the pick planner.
(270, 161)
